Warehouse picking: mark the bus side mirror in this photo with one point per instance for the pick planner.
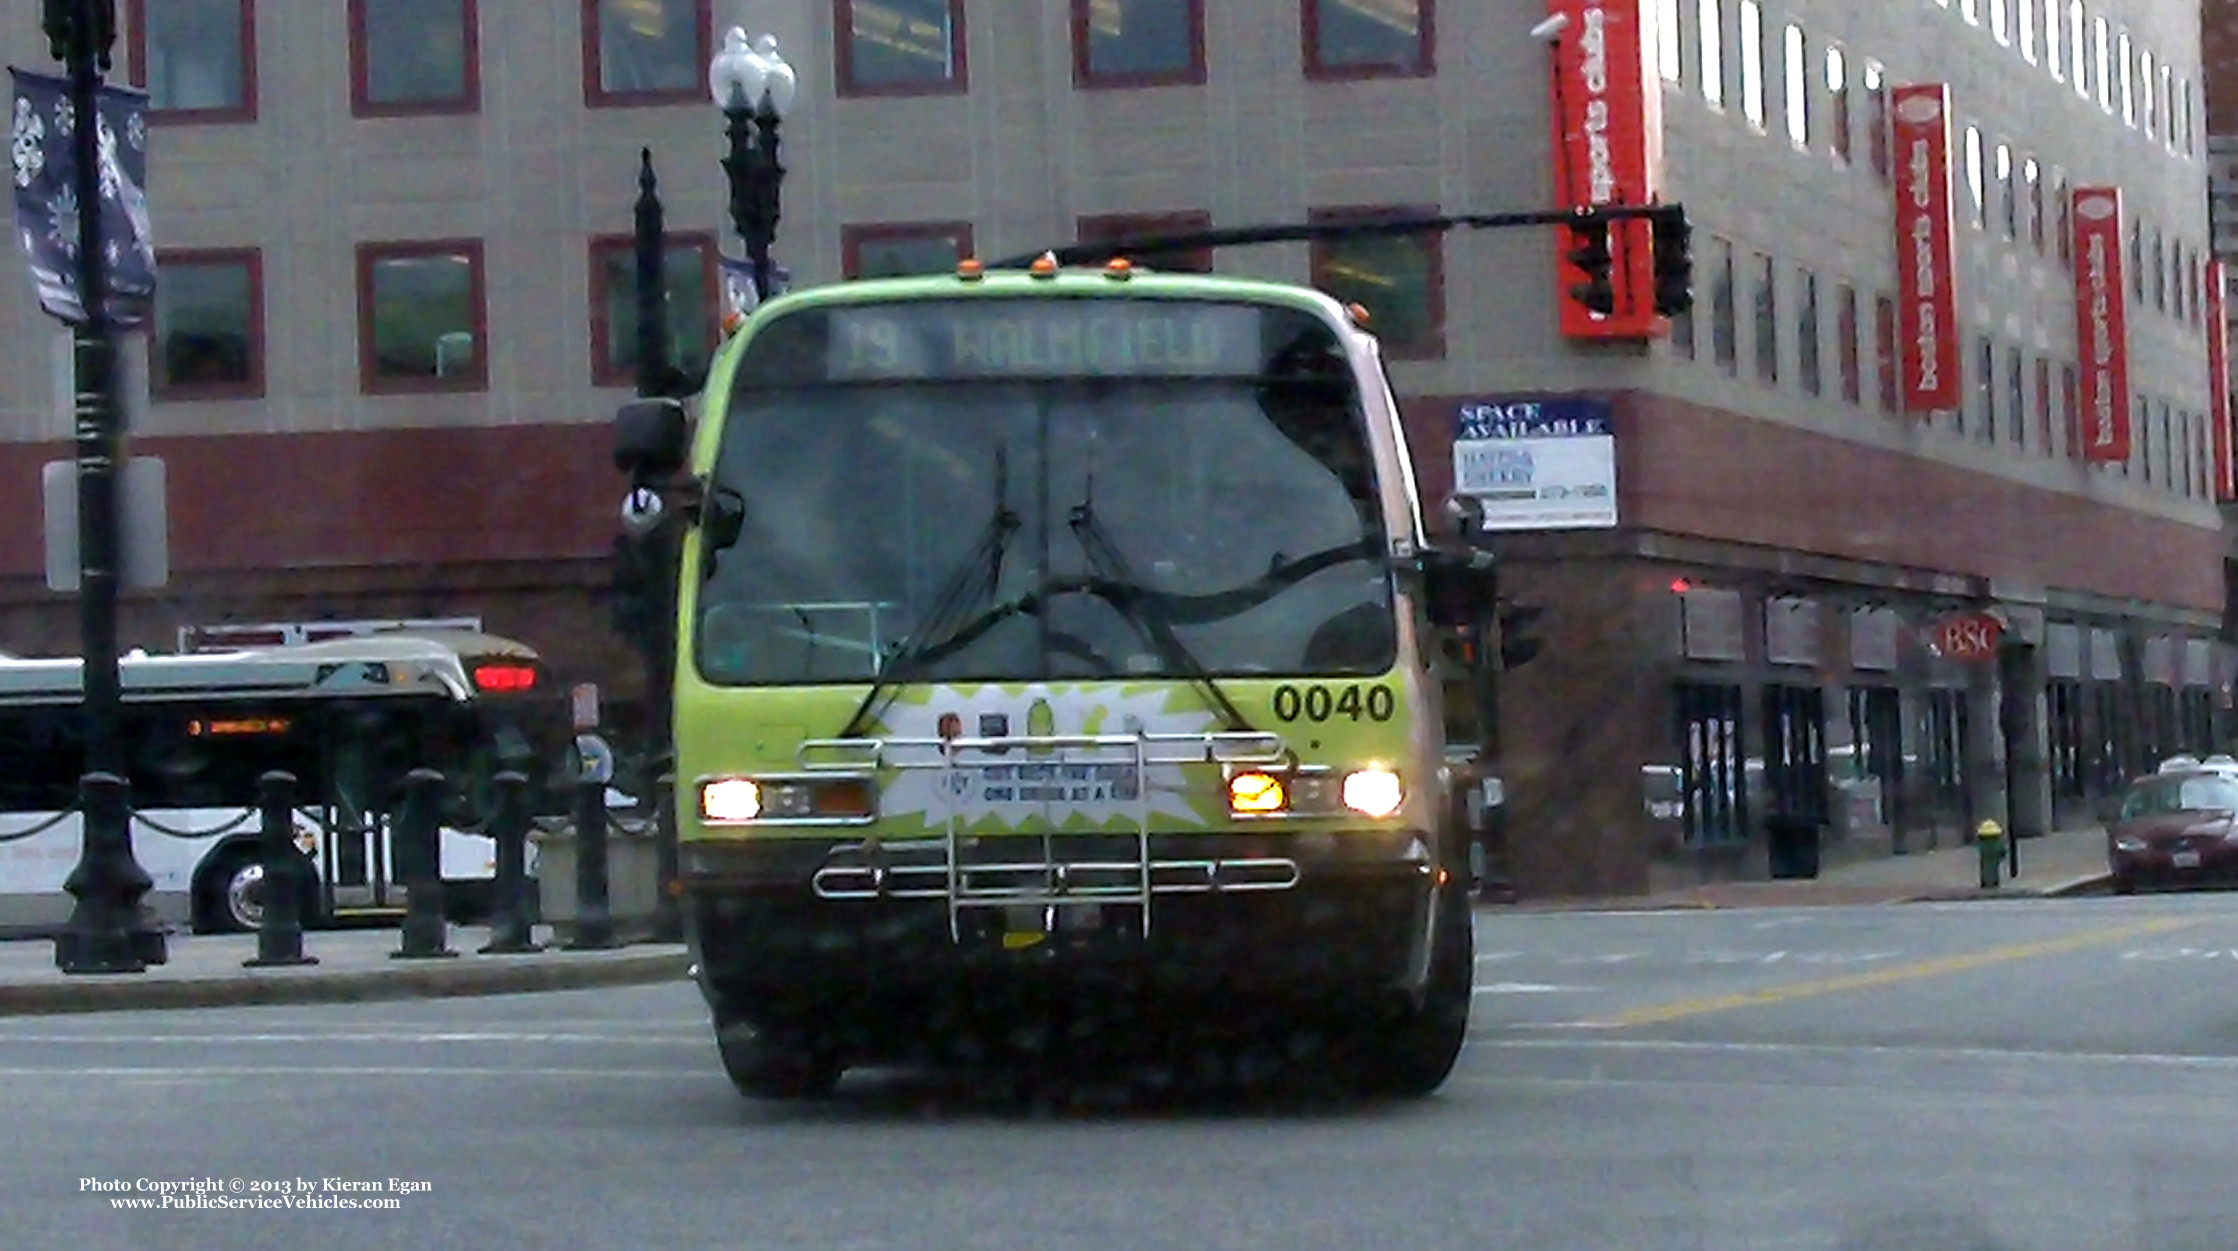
(651, 438)
(1459, 587)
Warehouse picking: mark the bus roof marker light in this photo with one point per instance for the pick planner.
(1119, 269)
(970, 270)
(1358, 313)
(1044, 265)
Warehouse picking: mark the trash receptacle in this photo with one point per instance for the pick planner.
(1792, 843)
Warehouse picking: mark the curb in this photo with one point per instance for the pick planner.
(2069, 889)
(432, 979)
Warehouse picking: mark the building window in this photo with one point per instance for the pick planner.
(2101, 62)
(2063, 208)
(2016, 398)
(903, 249)
(1837, 94)
(1724, 333)
(688, 297)
(2046, 436)
(1709, 19)
(1111, 227)
(1876, 96)
(2008, 198)
(1668, 58)
(645, 51)
(1767, 320)
(1884, 350)
(2055, 59)
(2069, 417)
(1399, 279)
(900, 47)
(2032, 178)
(1752, 63)
(1846, 350)
(2078, 56)
(179, 52)
(209, 326)
(2000, 25)
(413, 56)
(422, 319)
(2150, 108)
(1977, 192)
(1806, 332)
(1985, 389)
(2028, 31)
(1798, 89)
(1137, 43)
(1347, 39)
(2128, 84)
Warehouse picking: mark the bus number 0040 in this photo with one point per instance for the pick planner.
(1321, 703)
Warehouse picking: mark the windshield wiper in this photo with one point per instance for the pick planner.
(1125, 592)
(978, 574)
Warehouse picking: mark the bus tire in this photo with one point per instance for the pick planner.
(224, 890)
(1409, 1051)
(764, 1067)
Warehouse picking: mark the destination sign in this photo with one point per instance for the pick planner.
(1044, 338)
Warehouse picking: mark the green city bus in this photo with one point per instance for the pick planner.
(1056, 659)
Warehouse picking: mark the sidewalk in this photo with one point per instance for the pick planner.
(354, 965)
(2064, 862)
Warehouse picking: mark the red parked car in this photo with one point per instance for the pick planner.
(2177, 827)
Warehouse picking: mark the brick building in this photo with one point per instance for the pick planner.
(395, 317)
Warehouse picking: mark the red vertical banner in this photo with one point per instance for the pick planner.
(2218, 385)
(1926, 259)
(2101, 324)
(1608, 149)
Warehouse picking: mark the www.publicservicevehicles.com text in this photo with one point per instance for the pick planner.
(239, 1193)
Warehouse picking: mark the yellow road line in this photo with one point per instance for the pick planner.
(1882, 977)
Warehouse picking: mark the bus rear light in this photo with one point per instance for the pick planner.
(1254, 793)
(504, 679)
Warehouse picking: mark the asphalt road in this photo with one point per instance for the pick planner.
(2017, 1076)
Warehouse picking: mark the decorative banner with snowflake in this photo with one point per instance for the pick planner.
(47, 197)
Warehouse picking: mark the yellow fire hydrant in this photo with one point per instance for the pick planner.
(1989, 844)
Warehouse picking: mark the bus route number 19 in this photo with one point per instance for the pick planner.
(1351, 702)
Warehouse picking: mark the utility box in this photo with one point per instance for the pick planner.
(632, 878)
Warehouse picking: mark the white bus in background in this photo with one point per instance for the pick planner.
(348, 715)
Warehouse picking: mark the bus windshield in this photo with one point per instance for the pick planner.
(1019, 490)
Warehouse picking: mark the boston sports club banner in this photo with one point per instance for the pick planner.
(46, 171)
(2101, 324)
(1608, 148)
(2218, 384)
(1926, 265)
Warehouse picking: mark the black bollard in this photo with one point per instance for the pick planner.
(668, 902)
(594, 915)
(279, 933)
(509, 926)
(417, 839)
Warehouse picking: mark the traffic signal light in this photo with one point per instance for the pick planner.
(1589, 252)
(1517, 645)
(1672, 242)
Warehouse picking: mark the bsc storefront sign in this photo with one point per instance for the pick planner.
(1966, 636)
(1537, 464)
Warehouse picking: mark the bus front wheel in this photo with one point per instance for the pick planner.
(1409, 1051)
(229, 897)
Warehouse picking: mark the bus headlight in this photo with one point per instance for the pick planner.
(839, 798)
(730, 799)
(1372, 792)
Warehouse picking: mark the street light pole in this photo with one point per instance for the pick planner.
(753, 86)
(105, 933)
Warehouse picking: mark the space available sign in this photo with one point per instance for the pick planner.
(1926, 269)
(1537, 464)
(42, 145)
(2102, 324)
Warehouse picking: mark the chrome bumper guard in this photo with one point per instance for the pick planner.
(1025, 872)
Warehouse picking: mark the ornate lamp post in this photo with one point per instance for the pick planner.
(753, 86)
(106, 931)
